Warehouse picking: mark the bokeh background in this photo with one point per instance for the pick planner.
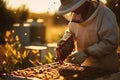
(30, 29)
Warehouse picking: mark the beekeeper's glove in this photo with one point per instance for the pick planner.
(77, 57)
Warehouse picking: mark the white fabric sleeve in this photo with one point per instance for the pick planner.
(109, 37)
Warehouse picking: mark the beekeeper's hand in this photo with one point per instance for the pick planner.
(77, 57)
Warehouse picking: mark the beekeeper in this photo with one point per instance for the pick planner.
(96, 34)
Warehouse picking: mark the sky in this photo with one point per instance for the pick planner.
(36, 6)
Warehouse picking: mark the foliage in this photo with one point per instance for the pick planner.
(49, 58)
(12, 54)
(21, 14)
(6, 20)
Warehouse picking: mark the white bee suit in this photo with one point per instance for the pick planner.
(99, 35)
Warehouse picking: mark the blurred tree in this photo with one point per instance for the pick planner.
(21, 14)
(6, 20)
(9, 17)
(114, 5)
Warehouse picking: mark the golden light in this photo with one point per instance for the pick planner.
(104, 1)
(29, 20)
(17, 37)
(14, 4)
(17, 25)
(26, 25)
(36, 6)
(40, 20)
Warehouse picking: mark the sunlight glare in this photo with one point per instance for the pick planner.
(14, 4)
(39, 6)
(36, 6)
(104, 1)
